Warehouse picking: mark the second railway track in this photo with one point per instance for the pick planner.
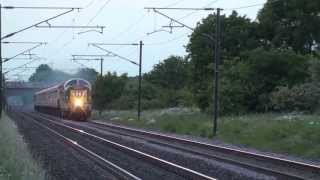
(280, 167)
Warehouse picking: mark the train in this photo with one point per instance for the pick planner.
(70, 99)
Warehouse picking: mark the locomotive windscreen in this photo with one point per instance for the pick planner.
(79, 93)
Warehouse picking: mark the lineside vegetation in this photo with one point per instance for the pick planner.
(16, 162)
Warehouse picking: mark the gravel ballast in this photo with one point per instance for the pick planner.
(138, 167)
(60, 160)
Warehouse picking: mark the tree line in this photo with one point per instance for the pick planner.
(269, 64)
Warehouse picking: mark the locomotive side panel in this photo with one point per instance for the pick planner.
(47, 100)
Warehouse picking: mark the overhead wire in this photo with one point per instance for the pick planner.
(250, 6)
(61, 35)
(215, 1)
(145, 35)
(175, 38)
(168, 41)
(99, 11)
(130, 27)
(183, 17)
(89, 4)
(193, 12)
(244, 7)
(174, 3)
(91, 20)
(136, 23)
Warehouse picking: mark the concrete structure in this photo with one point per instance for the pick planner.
(18, 93)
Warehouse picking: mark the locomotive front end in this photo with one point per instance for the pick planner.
(78, 99)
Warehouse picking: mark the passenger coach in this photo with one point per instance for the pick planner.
(70, 99)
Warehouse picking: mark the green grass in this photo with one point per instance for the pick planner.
(16, 162)
(289, 134)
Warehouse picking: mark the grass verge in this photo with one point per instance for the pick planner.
(297, 134)
(16, 162)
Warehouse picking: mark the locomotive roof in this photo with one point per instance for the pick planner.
(64, 85)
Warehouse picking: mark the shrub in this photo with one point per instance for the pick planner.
(247, 81)
(303, 97)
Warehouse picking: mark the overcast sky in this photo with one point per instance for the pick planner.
(126, 21)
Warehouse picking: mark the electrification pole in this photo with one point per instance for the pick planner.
(216, 74)
(86, 57)
(101, 67)
(216, 59)
(140, 44)
(1, 95)
(140, 79)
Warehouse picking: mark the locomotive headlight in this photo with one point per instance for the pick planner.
(78, 103)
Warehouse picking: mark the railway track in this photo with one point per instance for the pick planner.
(117, 171)
(60, 129)
(279, 167)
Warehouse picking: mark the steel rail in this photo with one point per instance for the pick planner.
(284, 162)
(208, 155)
(211, 154)
(175, 168)
(122, 173)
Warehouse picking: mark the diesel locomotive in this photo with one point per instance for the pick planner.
(70, 99)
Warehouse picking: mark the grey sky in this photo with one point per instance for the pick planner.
(126, 22)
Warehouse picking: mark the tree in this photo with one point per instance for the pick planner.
(169, 79)
(107, 89)
(42, 73)
(172, 73)
(291, 24)
(248, 81)
(239, 34)
(46, 74)
(88, 74)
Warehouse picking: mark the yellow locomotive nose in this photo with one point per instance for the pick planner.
(78, 102)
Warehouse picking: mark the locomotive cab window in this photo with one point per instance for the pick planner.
(72, 83)
(83, 83)
(78, 93)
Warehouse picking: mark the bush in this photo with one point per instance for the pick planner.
(303, 97)
(16, 161)
(107, 89)
(247, 81)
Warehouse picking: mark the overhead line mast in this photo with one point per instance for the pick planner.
(140, 44)
(216, 60)
(94, 57)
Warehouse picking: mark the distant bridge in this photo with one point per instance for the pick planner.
(25, 85)
(20, 93)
